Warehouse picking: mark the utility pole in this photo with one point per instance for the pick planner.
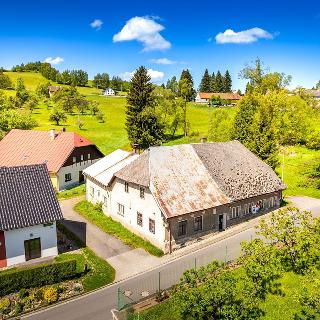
(282, 166)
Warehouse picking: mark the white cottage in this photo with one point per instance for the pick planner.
(29, 210)
(109, 92)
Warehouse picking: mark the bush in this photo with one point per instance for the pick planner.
(23, 293)
(50, 295)
(5, 305)
(39, 294)
(37, 276)
(18, 308)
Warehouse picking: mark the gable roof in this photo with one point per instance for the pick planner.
(103, 170)
(222, 95)
(27, 197)
(190, 178)
(23, 147)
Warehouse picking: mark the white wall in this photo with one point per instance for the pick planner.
(133, 204)
(14, 240)
(74, 170)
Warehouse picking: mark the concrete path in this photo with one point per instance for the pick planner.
(226, 246)
(103, 244)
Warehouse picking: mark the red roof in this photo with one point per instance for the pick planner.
(222, 95)
(24, 147)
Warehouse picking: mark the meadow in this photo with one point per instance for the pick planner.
(111, 134)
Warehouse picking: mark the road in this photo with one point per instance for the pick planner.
(97, 305)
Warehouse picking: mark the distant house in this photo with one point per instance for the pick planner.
(315, 93)
(174, 195)
(53, 90)
(109, 92)
(28, 213)
(205, 97)
(66, 154)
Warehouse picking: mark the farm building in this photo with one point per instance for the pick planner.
(174, 195)
(29, 210)
(66, 154)
(52, 90)
(205, 97)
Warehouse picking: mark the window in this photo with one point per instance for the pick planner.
(152, 226)
(182, 228)
(89, 156)
(98, 193)
(139, 219)
(247, 208)
(121, 209)
(141, 192)
(81, 157)
(32, 249)
(74, 159)
(271, 202)
(92, 192)
(105, 201)
(235, 212)
(67, 177)
(126, 187)
(198, 223)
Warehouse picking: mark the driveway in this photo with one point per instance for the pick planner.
(103, 244)
(306, 203)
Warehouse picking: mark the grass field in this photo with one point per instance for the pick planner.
(275, 307)
(111, 134)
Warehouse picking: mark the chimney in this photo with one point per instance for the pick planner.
(204, 139)
(135, 148)
(52, 134)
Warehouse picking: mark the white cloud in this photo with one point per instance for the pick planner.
(56, 60)
(144, 30)
(96, 24)
(164, 61)
(154, 74)
(246, 36)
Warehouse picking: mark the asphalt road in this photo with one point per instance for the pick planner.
(97, 305)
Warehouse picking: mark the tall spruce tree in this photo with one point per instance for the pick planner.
(227, 82)
(187, 75)
(205, 82)
(219, 82)
(142, 123)
(213, 83)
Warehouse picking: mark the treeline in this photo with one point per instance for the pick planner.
(103, 81)
(215, 82)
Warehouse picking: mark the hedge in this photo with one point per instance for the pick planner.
(13, 281)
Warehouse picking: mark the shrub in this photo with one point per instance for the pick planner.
(5, 305)
(26, 303)
(37, 276)
(39, 294)
(23, 293)
(50, 295)
(18, 308)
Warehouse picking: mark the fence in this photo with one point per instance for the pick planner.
(166, 276)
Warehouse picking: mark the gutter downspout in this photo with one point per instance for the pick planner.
(170, 237)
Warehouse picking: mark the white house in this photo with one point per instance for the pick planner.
(109, 92)
(28, 213)
(174, 195)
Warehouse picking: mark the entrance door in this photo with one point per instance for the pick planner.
(3, 257)
(220, 222)
(32, 249)
(81, 177)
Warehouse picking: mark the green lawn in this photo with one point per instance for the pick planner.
(95, 215)
(275, 307)
(72, 193)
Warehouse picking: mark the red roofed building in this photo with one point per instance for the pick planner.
(205, 97)
(66, 154)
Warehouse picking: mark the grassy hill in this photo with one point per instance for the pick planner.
(111, 134)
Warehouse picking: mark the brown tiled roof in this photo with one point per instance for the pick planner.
(27, 197)
(190, 178)
(23, 147)
(221, 95)
(53, 88)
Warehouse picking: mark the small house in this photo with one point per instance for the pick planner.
(109, 92)
(29, 210)
(205, 97)
(52, 90)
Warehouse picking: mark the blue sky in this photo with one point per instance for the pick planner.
(186, 34)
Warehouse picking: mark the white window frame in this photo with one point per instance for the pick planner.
(74, 160)
(142, 192)
(139, 224)
(120, 210)
(92, 192)
(154, 226)
(81, 157)
(194, 223)
(89, 156)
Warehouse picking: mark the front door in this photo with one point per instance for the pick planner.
(32, 249)
(3, 257)
(81, 177)
(220, 222)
